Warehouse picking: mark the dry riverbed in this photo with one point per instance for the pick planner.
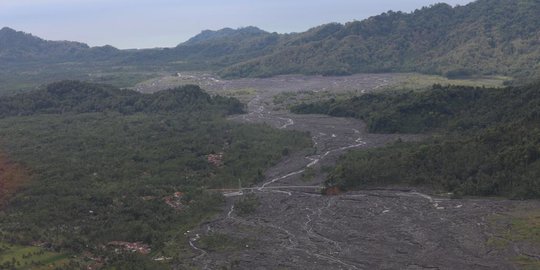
(294, 227)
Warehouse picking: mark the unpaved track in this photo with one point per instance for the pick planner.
(297, 228)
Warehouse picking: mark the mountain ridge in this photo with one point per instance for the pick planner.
(438, 39)
(227, 32)
(18, 45)
(485, 37)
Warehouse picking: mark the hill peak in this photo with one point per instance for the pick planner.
(7, 29)
(208, 35)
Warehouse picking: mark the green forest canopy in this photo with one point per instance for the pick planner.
(486, 142)
(485, 37)
(103, 161)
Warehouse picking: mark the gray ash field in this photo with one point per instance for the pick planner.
(360, 230)
(275, 85)
(294, 227)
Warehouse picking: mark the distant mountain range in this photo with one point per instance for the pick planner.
(19, 46)
(484, 37)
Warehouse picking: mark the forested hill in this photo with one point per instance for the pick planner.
(487, 141)
(81, 97)
(17, 46)
(229, 45)
(212, 49)
(100, 165)
(486, 37)
(483, 37)
(454, 108)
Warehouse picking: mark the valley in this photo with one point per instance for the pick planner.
(283, 216)
(292, 224)
(349, 138)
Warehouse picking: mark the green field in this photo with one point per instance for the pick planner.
(416, 81)
(29, 257)
(521, 229)
(21, 80)
(404, 82)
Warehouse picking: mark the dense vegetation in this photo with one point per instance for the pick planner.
(25, 257)
(483, 37)
(487, 141)
(77, 97)
(105, 164)
(17, 47)
(456, 108)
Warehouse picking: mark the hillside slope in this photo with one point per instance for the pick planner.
(484, 37)
(17, 46)
(486, 141)
(90, 165)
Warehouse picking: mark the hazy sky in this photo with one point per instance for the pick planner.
(165, 23)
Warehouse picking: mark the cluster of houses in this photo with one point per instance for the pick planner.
(175, 201)
(216, 159)
(138, 247)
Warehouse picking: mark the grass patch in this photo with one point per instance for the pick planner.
(217, 242)
(239, 92)
(286, 100)
(22, 80)
(516, 226)
(248, 204)
(526, 263)
(521, 228)
(417, 81)
(308, 174)
(30, 257)
(405, 82)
